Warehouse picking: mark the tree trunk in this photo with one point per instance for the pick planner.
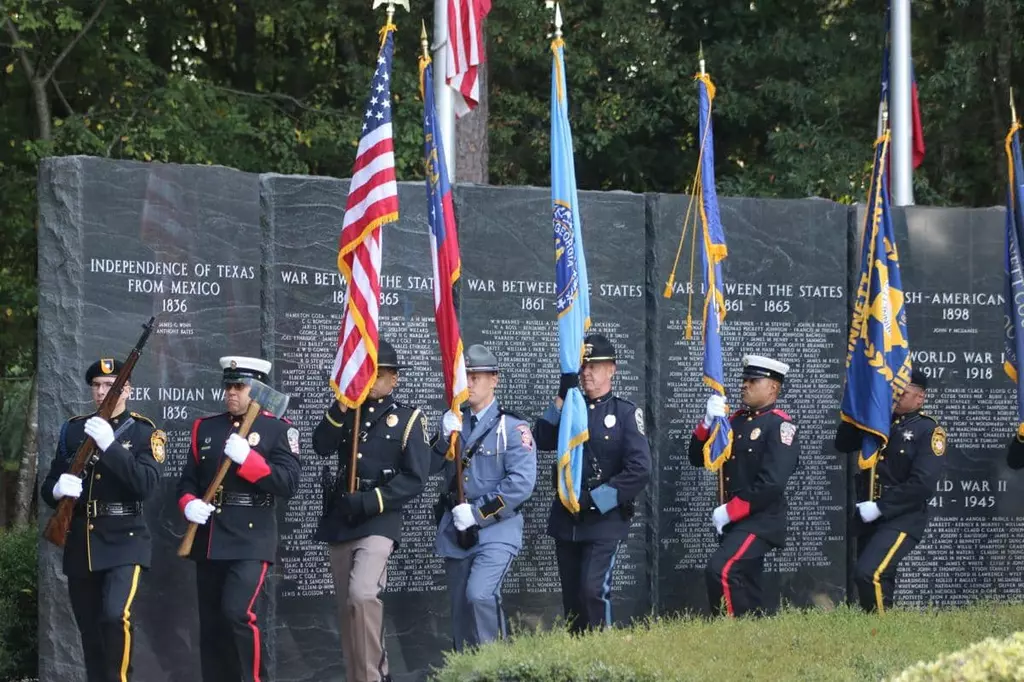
(472, 153)
(43, 118)
(29, 459)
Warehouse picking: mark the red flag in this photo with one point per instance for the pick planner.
(372, 202)
(465, 52)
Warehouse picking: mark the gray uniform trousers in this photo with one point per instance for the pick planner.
(474, 584)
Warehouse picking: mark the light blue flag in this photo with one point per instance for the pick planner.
(718, 446)
(878, 354)
(1014, 271)
(571, 284)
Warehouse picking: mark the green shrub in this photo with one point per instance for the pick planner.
(18, 604)
(993, 660)
(824, 646)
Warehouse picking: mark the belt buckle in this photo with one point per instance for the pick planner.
(218, 497)
(91, 509)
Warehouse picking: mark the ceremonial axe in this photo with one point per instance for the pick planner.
(263, 398)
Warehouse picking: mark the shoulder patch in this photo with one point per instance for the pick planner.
(525, 435)
(157, 441)
(143, 418)
(423, 427)
(293, 440)
(787, 430)
(639, 416)
(782, 414)
(939, 441)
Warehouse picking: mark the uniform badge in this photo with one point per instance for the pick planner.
(392, 420)
(939, 441)
(526, 437)
(639, 415)
(787, 430)
(609, 420)
(293, 440)
(127, 444)
(908, 435)
(755, 433)
(254, 439)
(156, 444)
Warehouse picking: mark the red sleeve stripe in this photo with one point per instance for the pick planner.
(184, 500)
(782, 414)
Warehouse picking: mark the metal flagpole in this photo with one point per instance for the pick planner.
(443, 93)
(900, 105)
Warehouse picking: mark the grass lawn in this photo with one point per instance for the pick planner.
(841, 644)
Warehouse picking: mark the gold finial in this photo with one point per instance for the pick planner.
(700, 56)
(391, 6)
(1013, 107)
(558, 20)
(424, 43)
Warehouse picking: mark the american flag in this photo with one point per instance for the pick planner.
(465, 51)
(372, 202)
(444, 250)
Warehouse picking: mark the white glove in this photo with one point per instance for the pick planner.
(716, 408)
(463, 516)
(198, 511)
(869, 511)
(450, 422)
(720, 518)
(100, 430)
(67, 486)
(237, 449)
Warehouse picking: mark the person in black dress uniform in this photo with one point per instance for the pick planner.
(108, 542)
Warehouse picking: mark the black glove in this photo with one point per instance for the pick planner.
(569, 380)
(352, 507)
(467, 539)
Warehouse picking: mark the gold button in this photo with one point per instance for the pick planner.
(388, 436)
(902, 451)
(367, 424)
(92, 527)
(131, 533)
(250, 525)
(236, 424)
(750, 419)
(606, 437)
(98, 477)
(371, 408)
(467, 478)
(591, 406)
(359, 455)
(750, 449)
(219, 510)
(739, 435)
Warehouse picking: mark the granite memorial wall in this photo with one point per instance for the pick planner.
(237, 263)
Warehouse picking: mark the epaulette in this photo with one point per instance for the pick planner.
(143, 418)
(782, 413)
(502, 411)
(625, 400)
(268, 413)
(403, 406)
(928, 416)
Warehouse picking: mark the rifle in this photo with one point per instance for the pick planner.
(466, 539)
(57, 529)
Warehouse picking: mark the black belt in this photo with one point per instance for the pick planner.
(230, 499)
(96, 508)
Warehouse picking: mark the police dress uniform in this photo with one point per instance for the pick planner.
(108, 543)
(765, 452)
(234, 550)
(906, 473)
(616, 469)
(364, 527)
(499, 472)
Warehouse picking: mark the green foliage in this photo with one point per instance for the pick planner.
(18, 611)
(14, 397)
(270, 85)
(826, 646)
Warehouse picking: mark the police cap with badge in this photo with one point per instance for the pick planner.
(597, 348)
(387, 358)
(239, 369)
(103, 368)
(918, 378)
(761, 367)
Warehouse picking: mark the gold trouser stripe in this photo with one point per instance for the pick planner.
(126, 620)
(876, 578)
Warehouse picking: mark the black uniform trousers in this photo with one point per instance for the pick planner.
(102, 604)
(585, 571)
(734, 574)
(233, 604)
(878, 554)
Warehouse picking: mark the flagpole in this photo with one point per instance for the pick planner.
(444, 110)
(900, 105)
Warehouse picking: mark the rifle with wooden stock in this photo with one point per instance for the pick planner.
(57, 529)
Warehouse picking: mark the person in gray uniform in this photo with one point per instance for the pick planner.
(479, 537)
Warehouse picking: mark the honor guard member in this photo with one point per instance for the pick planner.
(363, 528)
(616, 469)
(752, 519)
(890, 520)
(479, 538)
(236, 540)
(108, 543)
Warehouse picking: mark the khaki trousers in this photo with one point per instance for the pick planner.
(360, 574)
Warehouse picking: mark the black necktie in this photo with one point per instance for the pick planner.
(473, 422)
